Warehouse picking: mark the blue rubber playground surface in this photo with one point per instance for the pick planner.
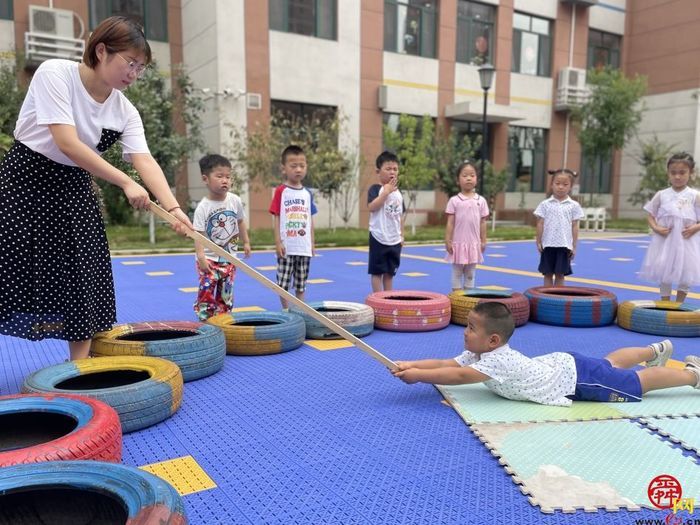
(315, 437)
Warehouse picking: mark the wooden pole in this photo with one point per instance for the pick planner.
(239, 264)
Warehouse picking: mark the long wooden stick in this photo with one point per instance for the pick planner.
(238, 263)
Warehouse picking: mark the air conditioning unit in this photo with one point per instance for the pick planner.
(571, 88)
(51, 35)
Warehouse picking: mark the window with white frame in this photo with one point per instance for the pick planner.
(315, 18)
(410, 27)
(151, 14)
(532, 45)
(475, 32)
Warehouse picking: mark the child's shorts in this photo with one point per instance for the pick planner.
(598, 380)
(383, 258)
(555, 261)
(296, 266)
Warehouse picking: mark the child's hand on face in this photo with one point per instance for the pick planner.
(391, 185)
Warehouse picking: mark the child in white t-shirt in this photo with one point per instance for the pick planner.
(220, 217)
(551, 379)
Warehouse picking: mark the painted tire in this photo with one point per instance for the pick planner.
(37, 428)
(143, 390)
(667, 318)
(571, 305)
(198, 349)
(82, 491)
(260, 333)
(463, 301)
(409, 310)
(356, 318)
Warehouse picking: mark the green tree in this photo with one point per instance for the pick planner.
(330, 165)
(611, 115)
(413, 143)
(652, 158)
(159, 105)
(11, 97)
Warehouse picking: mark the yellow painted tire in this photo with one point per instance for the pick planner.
(143, 390)
(463, 301)
(260, 333)
(667, 318)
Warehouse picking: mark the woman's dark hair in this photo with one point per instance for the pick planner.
(683, 157)
(117, 33)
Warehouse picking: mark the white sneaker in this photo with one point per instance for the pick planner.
(692, 363)
(662, 351)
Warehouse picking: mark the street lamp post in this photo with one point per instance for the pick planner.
(486, 73)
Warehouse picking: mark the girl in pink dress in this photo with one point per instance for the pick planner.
(465, 235)
(674, 216)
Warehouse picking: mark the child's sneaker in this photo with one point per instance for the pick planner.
(662, 351)
(692, 363)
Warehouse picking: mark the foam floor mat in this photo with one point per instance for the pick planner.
(477, 404)
(587, 465)
(684, 431)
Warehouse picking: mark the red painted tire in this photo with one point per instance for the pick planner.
(571, 305)
(409, 310)
(463, 301)
(36, 428)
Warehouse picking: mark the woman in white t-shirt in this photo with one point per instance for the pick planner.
(55, 269)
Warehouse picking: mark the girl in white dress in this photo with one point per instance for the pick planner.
(674, 214)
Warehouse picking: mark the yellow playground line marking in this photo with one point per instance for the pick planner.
(524, 273)
(158, 274)
(496, 255)
(621, 259)
(493, 287)
(265, 268)
(323, 344)
(248, 309)
(183, 473)
(319, 281)
(602, 249)
(191, 289)
(415, 274)
(356, 263)
(132, 263)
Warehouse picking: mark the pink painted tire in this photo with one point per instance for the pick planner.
(409, 310)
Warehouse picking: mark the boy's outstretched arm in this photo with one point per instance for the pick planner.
(425, 363)
(459, 375)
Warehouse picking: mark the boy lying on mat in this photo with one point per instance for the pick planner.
(550, 379)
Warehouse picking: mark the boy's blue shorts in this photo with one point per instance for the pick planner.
(598, 380)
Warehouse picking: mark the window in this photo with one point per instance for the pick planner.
(409, 27)
(526, 155)
(532, 45)
(304, 17)
(475, 30)
(6, 9)
(603, 50)
(151, 14)
(595, 179)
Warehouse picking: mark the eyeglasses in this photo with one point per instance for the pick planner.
(134, 67)
(563, 170)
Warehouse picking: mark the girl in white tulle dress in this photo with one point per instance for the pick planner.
(674, 217)
(465, 235)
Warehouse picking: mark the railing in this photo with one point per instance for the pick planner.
(40, 46)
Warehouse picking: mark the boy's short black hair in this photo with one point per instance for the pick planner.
(211, 161)
(386, 156)
(292, 149)
(497, 319)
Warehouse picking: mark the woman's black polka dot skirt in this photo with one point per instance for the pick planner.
(55, 271)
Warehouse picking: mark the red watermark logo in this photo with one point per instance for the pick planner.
(663, 491)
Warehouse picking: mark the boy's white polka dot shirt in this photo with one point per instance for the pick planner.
(558, 216)
(545, 379)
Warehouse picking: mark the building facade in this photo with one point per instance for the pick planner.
(372, 60)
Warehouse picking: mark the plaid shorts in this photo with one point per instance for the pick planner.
(297, 265)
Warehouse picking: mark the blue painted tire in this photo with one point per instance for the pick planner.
(197, 348)
(60, 491)
(148, 389)
(260, 333)
(356, 318)
(667, 318)
(36, 428)
(571, 305)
